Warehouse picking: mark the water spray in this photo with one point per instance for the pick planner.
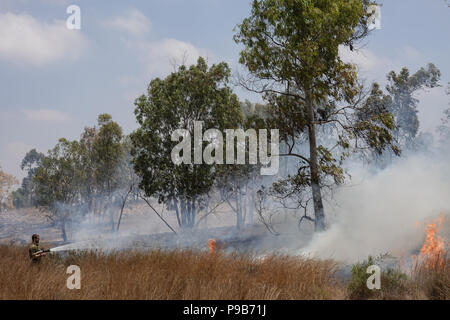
(42, 251)
(72, 246)
(86, 245)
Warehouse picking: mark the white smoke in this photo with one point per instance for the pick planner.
(381, 213)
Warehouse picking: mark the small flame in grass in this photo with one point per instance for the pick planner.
(434, 244)
(433, 247)
(212, 245)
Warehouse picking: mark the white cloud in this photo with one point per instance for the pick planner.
(46, 115)
(370, 66)
(160, 57)
(376, 67)
(133, 22)
(27, 40)
(11, 3)
(56, 2)
(363, 58)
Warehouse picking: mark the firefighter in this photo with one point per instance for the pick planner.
(34, 248)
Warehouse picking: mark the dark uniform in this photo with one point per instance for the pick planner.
(32, 250)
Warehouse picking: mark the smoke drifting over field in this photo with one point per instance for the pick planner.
(385, 212)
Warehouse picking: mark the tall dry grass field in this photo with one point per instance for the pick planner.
(194, 275)
(167, 275)
(432, 277)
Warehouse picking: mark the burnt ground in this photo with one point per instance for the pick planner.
(17, 226)
(141, 229)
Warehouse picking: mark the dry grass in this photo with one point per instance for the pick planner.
(431, 277)
(167, 275)
(200, 275)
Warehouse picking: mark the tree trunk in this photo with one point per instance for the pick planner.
(188, 213)
(177, 212)
(124, 201)
(183, 213)
(63, 231)
(206, 212)
(319, 220)
(193, 213)
(244, 204)
(238, 204)
(111, 215)
(252, 206)
(238, 209)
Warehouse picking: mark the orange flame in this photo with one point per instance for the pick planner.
(434, 244)
(212, 245)
(433, 247)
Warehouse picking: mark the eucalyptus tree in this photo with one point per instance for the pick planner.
(25, 195)
(401, 88)
(59, 184)
(108, 152)
(185, 97)
(291, 50)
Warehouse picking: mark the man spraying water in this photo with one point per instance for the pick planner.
(35, 251)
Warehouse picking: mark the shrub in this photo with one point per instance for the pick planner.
(393, 281)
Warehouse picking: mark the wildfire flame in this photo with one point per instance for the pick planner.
(212, 245)
(434, 245)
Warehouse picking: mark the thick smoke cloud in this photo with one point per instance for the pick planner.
(385, 212)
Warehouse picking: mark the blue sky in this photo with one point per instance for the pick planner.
(55, 81)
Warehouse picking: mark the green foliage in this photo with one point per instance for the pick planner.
(398, 120)
(291, 49)
(58, 182)
(19, 199)
(375, 123)
(74, 174)
(25, 195)
(195, 93)
(393, 282)
(237, 182)
(403, 106)
(108, 151)
(298, 41)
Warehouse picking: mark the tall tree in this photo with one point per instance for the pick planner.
(129, 180)
(108, 151)
(25, 195)
(59, 184)
(195, 93)
(401, 88)
(291, 52)
(237, 184)
(89, 162)
(75, 173)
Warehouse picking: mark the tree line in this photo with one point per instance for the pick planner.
(324, 113)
